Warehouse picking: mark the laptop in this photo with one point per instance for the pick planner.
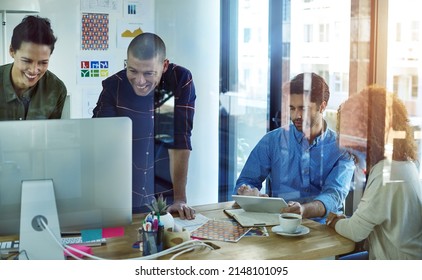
(260, 203)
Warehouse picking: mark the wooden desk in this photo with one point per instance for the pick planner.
(321, 243)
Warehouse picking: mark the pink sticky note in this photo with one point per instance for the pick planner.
(113, 232)
(85, 249)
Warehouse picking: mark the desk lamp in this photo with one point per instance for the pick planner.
(15, 6)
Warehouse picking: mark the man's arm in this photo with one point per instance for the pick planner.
(179, 162)
(308, 210)
(105, 106)
(256, 169)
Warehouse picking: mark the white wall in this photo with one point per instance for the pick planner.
(191, 31)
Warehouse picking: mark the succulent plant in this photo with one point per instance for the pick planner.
(158, 205)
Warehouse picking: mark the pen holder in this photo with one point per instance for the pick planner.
(173, 238)
(152, 242)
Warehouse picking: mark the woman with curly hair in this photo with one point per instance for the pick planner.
(389, 215)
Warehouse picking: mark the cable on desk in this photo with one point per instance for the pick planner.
(179, 249)
(65, 248)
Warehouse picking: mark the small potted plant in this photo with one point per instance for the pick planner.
(158, 209)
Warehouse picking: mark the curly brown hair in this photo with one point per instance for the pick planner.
(365, 119)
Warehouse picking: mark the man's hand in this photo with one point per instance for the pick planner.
(311, 209)
(185, 211)
(293, 207)
(249, 191)
(333, 218)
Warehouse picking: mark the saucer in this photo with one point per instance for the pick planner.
(301, 230)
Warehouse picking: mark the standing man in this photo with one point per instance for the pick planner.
(28, 90)
(302, 160)
(133, 92)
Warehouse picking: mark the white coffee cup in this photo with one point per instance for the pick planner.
(289, 222)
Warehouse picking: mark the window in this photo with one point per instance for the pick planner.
(335, 39)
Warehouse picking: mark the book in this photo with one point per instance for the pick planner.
(220, 230)
(257, 232)
(253, 219)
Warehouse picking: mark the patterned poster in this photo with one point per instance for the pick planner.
(95, 31)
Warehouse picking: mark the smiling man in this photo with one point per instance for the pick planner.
(138, 92)
(28, 90)
(301, 160)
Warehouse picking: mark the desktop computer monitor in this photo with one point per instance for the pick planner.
(83, 167)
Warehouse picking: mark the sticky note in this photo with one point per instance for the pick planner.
(113, 232)
(84, 249)
(91, 234)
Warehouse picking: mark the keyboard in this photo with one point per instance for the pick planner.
(11, 247)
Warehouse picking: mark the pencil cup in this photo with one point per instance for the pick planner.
(173, 238)
(152, 242)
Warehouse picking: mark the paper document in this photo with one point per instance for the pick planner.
(190, 225)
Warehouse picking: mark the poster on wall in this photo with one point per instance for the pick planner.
(101, 6)
(127, 30)
(138, 17)
(93, 68)
(95, 32)
(138, 8)
(89, 100)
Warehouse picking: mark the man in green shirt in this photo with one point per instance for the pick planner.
(27, 89)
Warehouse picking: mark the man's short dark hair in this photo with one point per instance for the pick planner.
(33, 29)
(147, 46)
(319, 89)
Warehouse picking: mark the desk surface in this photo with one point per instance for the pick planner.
(321, 243)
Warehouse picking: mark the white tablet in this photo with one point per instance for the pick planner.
(260, 203)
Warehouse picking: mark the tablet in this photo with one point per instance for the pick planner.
(260, 203)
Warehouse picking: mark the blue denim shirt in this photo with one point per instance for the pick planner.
(300, 171)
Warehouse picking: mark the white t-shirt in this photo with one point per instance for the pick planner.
(389, 213)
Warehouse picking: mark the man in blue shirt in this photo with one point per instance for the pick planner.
(301, 160)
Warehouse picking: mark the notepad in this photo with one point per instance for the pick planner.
(229, 231)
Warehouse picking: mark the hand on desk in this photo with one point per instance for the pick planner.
(332, 219)
(184, 210)
(248, 190)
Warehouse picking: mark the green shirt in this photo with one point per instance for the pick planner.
(47, 98)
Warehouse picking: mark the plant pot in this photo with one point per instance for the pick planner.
(167, 220)
(172, 238)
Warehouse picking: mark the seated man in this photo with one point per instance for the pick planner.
(302, 160)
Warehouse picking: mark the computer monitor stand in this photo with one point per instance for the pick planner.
(38, 200)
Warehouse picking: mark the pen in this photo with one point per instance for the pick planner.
(155, 225)
(160, 233)
(147, 226)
